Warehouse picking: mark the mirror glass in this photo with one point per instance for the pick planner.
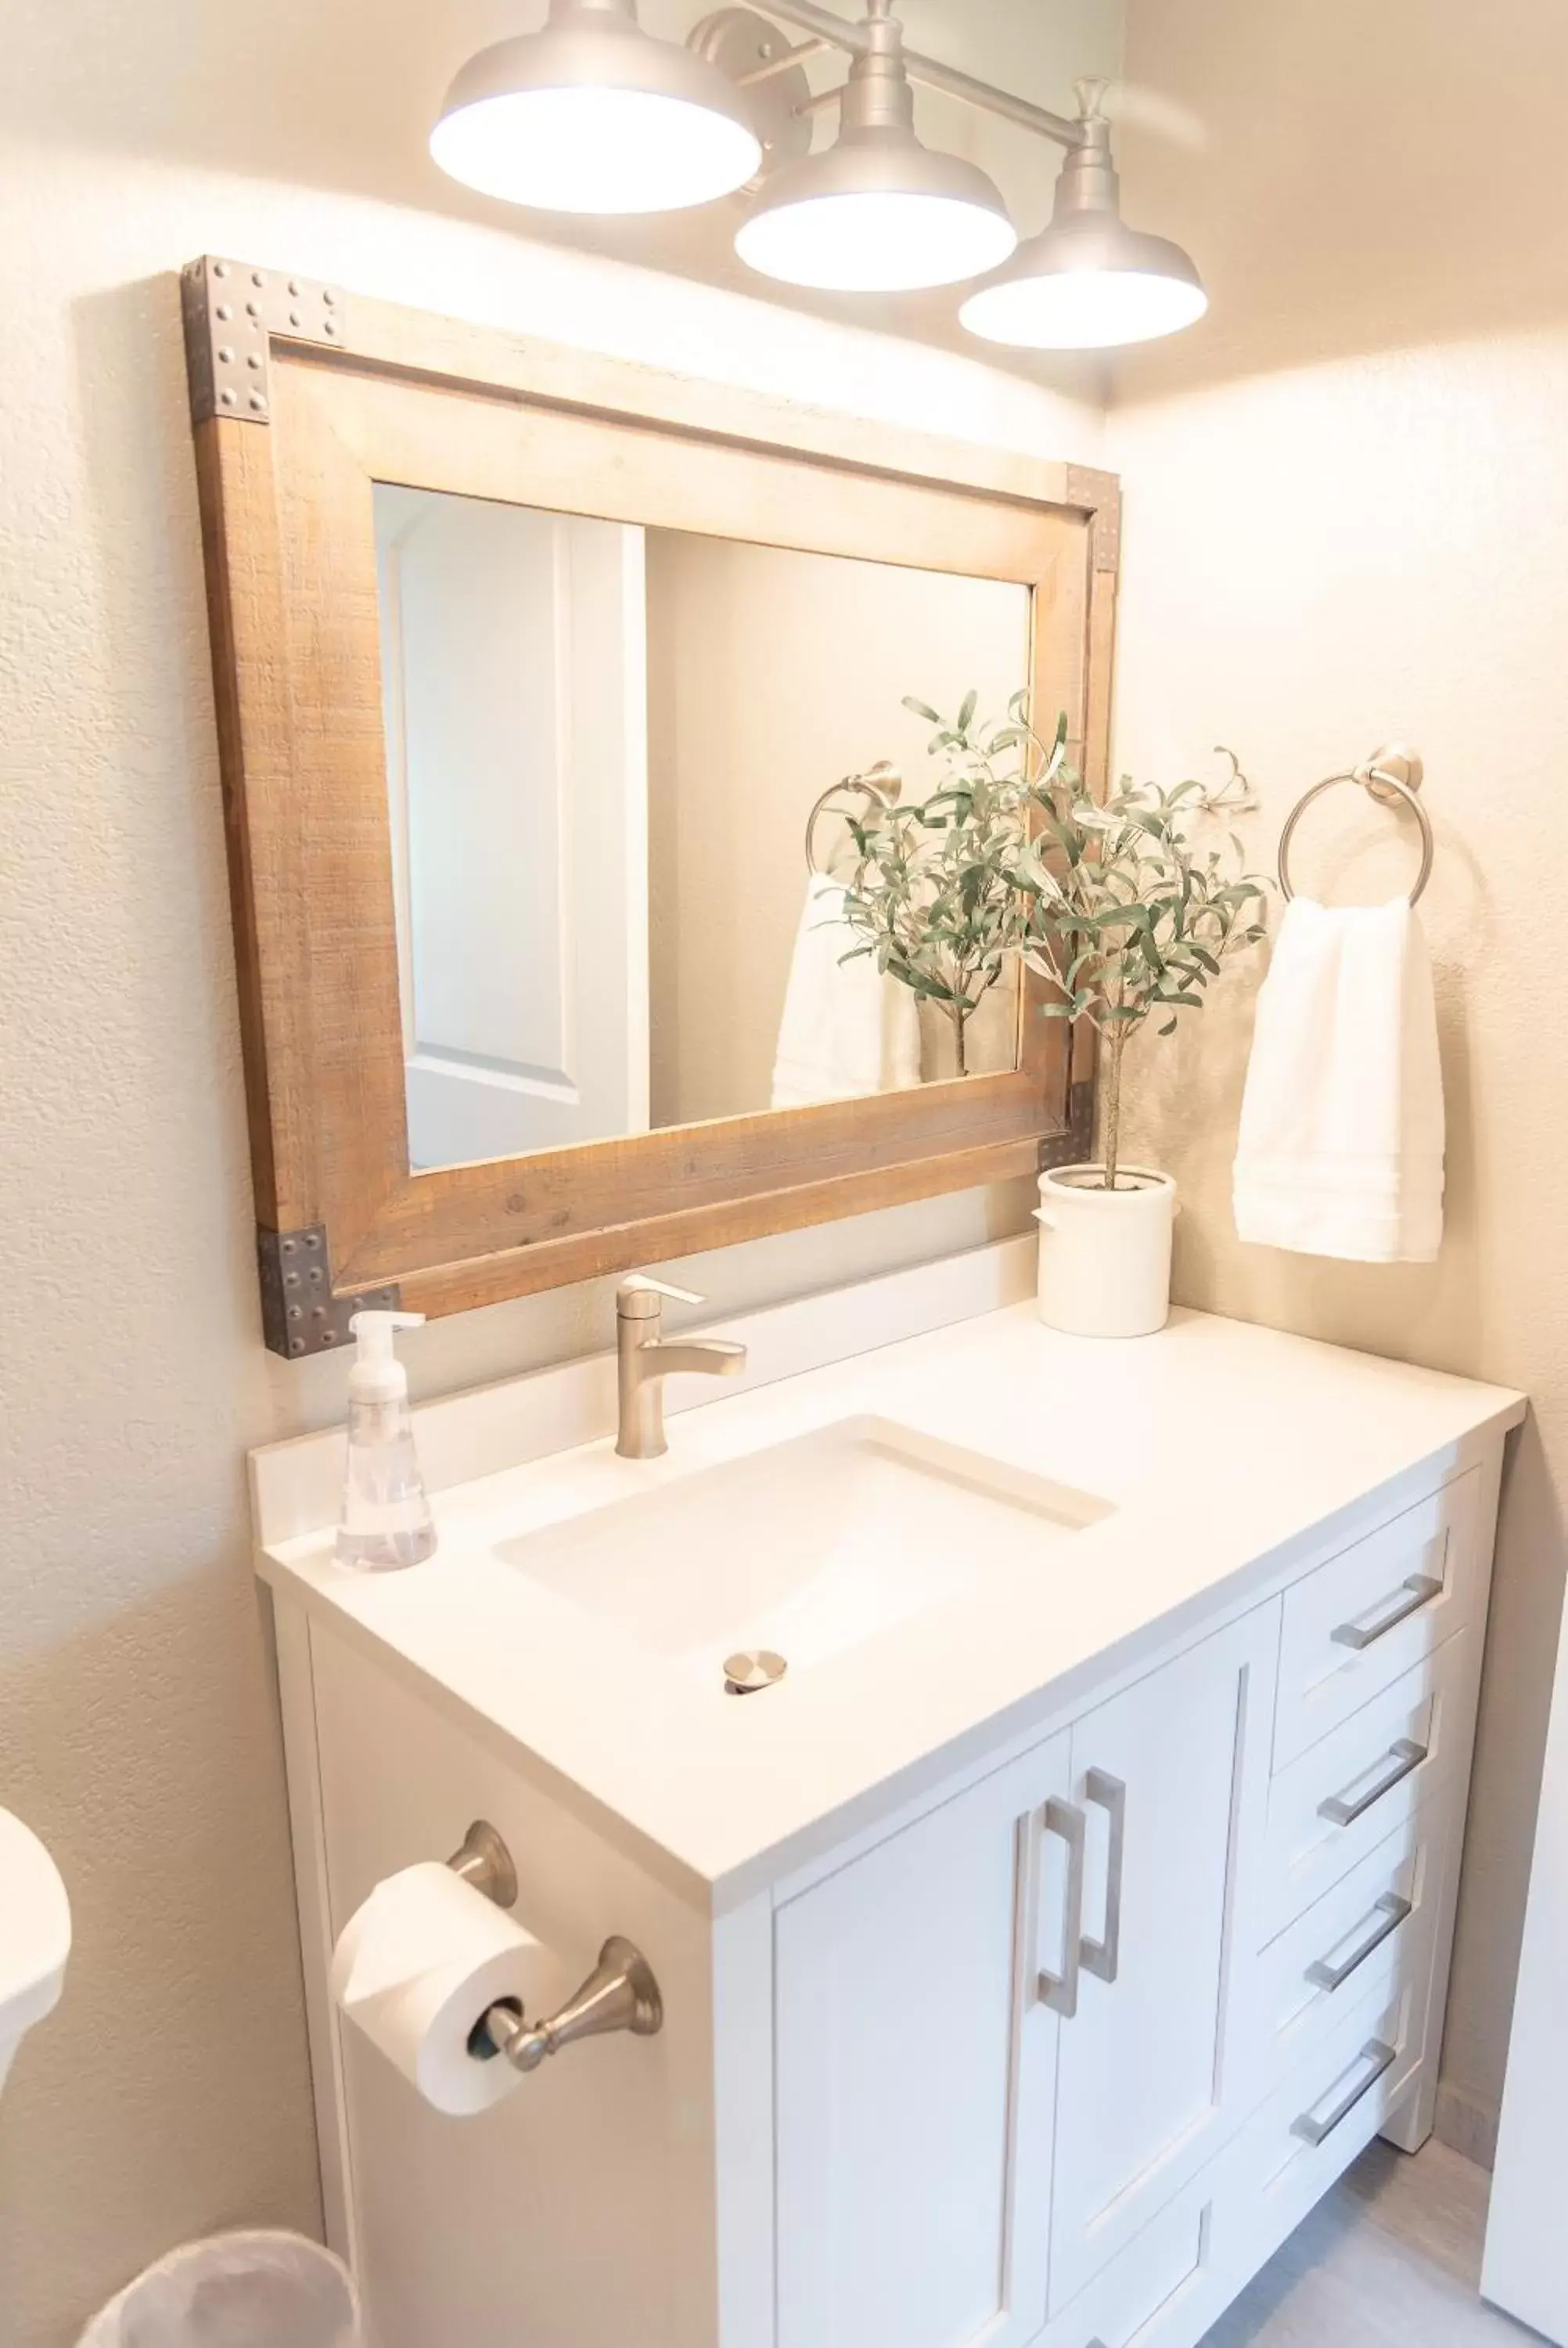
(603, 746)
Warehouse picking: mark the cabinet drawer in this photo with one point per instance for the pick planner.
(1339, 1800)
(1365, 1938)
(1167, 2287)
(1326, 2110)
(1371, 1614)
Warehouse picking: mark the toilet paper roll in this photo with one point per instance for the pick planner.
(419, 1965)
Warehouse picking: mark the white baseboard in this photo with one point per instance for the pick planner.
(1465, 2125)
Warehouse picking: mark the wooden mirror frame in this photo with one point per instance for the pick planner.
(301, 399)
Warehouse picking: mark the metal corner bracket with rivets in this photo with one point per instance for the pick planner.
(233, 312)
(1072, 1146)
(300, 1315)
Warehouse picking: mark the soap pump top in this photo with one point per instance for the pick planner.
(386, 1520)
(377, 1375)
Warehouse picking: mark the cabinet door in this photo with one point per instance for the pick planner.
(914, 2067)
(1172, 1777)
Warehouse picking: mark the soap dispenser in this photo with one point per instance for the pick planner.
(387, 1520)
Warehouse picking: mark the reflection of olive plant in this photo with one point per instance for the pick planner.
(934, 895)
(1110, 901)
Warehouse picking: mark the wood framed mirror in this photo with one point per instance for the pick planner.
(530, 664)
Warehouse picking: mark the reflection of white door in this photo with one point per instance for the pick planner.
(516, 708)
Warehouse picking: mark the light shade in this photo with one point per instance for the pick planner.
(878, 213)
(594, 115)
(1088, 282)
(1074, 289)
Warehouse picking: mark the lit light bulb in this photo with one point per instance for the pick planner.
(884, 241)
(1083, 309)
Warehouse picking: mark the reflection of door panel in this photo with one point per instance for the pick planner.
(513, 666)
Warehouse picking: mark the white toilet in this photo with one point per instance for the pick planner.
(34, 1935)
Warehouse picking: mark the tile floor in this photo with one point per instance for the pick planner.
(1390, 2259)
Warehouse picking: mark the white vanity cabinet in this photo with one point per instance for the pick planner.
(1037, 1966)
(1068, 2057)
(1043, 2037)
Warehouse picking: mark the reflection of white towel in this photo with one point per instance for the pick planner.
(847, 1031)
(1342, 1144)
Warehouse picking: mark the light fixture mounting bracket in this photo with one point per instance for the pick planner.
(232, 311)
(754, 54)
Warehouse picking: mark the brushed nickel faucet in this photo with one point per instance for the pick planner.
(645, 1359)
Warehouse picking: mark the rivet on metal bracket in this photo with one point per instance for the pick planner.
(1072, 1146)
(300, 1315)
(232, 314)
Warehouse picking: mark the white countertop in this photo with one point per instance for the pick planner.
(1225, 1449)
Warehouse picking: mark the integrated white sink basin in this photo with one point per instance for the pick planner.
(807, 1548)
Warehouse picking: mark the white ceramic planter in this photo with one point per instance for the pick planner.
(1105, 1255)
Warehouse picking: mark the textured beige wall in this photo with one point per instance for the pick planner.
(1347, 520)
(137, 1719)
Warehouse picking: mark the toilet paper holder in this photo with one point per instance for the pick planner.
(620, 1993)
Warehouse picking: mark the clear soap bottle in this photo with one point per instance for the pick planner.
(387, 1520)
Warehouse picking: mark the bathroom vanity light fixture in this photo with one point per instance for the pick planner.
(593, 115)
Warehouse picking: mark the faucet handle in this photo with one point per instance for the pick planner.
(641, 1297)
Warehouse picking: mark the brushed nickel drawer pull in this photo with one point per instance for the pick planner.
(1059, 1990)
(1386, 1918)
(1343, 1809)
(1314, 2131)
(1416, 1591)
(1103, 1958)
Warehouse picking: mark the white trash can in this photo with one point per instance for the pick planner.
(234, 2290)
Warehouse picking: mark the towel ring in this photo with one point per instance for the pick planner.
(1384, 781)
(880, 787)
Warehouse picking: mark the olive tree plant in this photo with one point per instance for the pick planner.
(1111, 902)
(1126, 917)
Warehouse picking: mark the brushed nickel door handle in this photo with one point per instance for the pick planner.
(1059, 1990)
(1314, 2128)
(1417, 1589)
(1403, 1755)
(1386, 1918)
(1103, 1958)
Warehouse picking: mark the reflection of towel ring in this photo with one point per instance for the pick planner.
(880, 786)
(1385, 781)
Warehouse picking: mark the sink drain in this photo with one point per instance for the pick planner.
(749, 1674)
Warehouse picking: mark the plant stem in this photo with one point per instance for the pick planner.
(1117, 1045)
(960, 1018)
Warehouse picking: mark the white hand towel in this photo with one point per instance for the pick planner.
(1342, 1144)
(847, 1031)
